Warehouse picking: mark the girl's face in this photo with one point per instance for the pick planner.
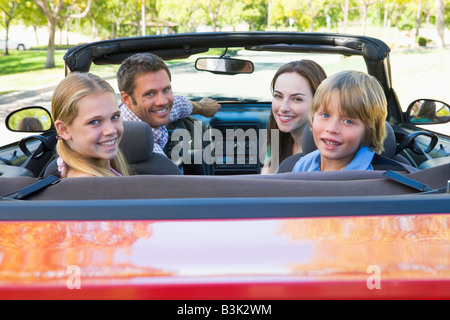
(292, 100)
(97, 129)
(337, 137)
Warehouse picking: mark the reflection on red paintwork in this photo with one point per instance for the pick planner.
(44, 250)
(400, 246)
(403, 247)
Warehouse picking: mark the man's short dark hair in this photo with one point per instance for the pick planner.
(136, 65)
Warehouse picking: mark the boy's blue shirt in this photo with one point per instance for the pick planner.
(311, 161)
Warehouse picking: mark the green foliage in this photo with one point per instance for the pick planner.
(120, 18)
(421, 41)
(25, 61)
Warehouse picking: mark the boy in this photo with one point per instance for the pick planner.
(348, 123)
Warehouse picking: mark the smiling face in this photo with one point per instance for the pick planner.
(292, 100)
(153, 98)
(97, 129)
(337, 136)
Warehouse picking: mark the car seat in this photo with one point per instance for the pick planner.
(308, 146)
(137, 147)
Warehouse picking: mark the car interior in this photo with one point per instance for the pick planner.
(157, 177)
(234, 138)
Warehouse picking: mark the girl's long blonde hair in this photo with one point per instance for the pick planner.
(64, 106)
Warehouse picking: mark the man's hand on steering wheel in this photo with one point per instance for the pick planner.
(206, 107)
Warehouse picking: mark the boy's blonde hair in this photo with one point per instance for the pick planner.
(361, 97)
(66, 96)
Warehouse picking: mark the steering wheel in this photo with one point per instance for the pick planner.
(195, 132)
(41, 155)
(409, 142)
(44, 146)
(172, 127)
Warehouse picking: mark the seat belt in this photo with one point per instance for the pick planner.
(411, 182)
(39, 185)
(380, 162)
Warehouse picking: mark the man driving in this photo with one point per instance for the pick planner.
(144, 81)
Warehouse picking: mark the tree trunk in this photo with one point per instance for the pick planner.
(345, 15)
(53, 16)
(364, 20)
(419, 11)
(7, 38)
(50, 62)
(36, 34)
(94, 30)
(440, 22)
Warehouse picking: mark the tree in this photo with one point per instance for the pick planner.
(184, 12)
(304, 12)
(11, 10)
(213, 11)
(255, 14)
(32, 17)
(365, 4)
(440, 20)
(56, 11)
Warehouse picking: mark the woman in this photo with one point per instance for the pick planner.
(293, 87)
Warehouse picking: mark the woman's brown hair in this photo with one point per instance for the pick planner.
(315, 74)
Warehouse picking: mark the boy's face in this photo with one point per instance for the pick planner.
(337, 137)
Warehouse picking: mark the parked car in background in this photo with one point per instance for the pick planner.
(14, 45)
(221, 230)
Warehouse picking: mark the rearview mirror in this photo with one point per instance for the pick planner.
(29, 119)
(427, 111)
(224, 65)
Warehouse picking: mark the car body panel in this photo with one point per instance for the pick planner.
(312, 258)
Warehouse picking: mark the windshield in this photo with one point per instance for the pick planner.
(194, 84)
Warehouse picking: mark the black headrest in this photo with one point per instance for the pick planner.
(137, 141)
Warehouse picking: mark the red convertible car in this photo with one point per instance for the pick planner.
(218, 230)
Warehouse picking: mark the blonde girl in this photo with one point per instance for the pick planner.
(87, 119)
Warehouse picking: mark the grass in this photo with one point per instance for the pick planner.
(25, 69)
(26, 61)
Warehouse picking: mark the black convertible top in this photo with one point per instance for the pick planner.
(375, 52)
(177, 46)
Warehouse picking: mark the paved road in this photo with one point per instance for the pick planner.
(38, 97)
(35, 97)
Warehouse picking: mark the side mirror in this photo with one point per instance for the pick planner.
(224, 65)
(29, 119)
(428, 111)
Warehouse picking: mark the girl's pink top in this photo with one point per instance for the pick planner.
(62, 164)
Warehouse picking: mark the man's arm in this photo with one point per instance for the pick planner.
(206, 107)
